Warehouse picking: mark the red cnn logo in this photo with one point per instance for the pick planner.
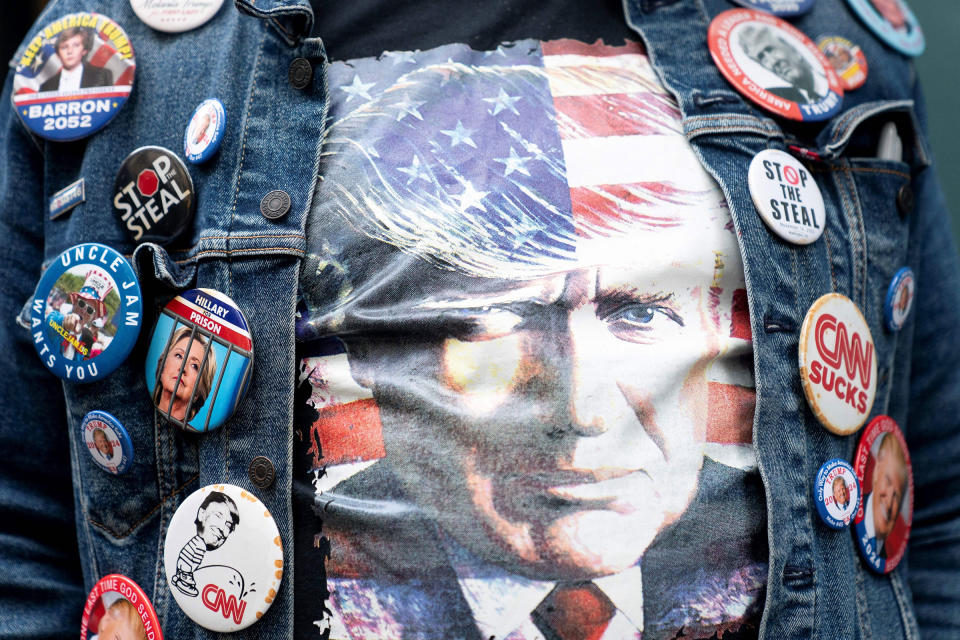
(850, 352)
(220, 601)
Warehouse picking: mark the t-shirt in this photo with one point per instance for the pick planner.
(524, 356)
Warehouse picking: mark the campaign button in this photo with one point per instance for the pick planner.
(893, 22)
(67, 198)
(882, 524)
(174, 16)
(200, 360)
(786, 196)
(775, 65)
(153, 195)
(782, 8)
(838, 363)
(205, 131)
(223, 558)
(107, 441)
(847, 60)
(899, 301)
(118, 608)
(837, 493)
(73, 77)
(86, 313)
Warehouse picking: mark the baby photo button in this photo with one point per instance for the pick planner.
(786, 196)
(223, 558)
(200, 360)
(86, 313)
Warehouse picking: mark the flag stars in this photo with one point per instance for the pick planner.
(415, 171)
(503, 102)
(471, 198)
(401, 57)
(459, 135)
(358, 89)
(407, 107)
(514, 163)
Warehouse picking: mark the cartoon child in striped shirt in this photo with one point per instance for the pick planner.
(217, 517)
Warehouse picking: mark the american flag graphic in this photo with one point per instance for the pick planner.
(532, 147)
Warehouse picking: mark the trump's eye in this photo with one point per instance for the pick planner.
(641, 320)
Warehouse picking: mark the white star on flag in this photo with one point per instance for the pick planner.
(415, 171)
(399, 57)
(358, 89)
(471, 198)
(459, 134)
(513, 163)
(503, 101)
(408, 108)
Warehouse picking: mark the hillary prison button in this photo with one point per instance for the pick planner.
(262, 473)
(275, 205)
(782, 8)
(153, 195)
(786, 196)
(204, 131)
(86, 313)
(899, 300)
(838, 363)
(67, 198)
(73, 77)
(837, 493)
(882, 524)
(905, 200)
(223, 558)
(847, 60)
(200, 360)
(893, 22)
(774, 64)
(300, 73)
(107, 441)
(174, 16)
(118, 608)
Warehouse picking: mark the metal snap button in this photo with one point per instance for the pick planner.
(905, 200)
(300, 73)
(261, 472)
(275, 205)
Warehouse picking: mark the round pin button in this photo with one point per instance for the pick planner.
(74, 76)
(107, 441)
(118, 608)
(775, 65)
(205, 131)
(200, 360)
(899, 301)
(174, 16)
(838, 365)
(837, 493)
(882, 523)
(223, 558)
(786, 196)
(86, 313)
(782, 8)
(847, 60)
(153, 196)
(893, 22)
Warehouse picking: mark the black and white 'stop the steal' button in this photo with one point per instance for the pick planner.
(153, 196)
(786, 196)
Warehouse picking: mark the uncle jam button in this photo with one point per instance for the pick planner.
(108, 442)
(153, 195)
(200, 360)
(205, 131)
(838, 364)
(86, 313)
(899, 300)
(786, 196)
(223, 558)
(837, 493)
(882, 524)
(117, 608)
(73, 76)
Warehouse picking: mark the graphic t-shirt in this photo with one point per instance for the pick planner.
(525, 396)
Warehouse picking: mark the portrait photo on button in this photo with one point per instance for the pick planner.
(194, 377)
(80, 312)
(104, 445)
(778, 62)
(115, 618)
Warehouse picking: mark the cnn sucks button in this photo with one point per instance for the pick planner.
(838, 364)
(786, 196)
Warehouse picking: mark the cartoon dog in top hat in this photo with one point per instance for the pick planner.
(78, 328)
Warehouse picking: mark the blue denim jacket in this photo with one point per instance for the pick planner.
(817, 587)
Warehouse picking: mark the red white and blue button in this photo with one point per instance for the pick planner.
(107, 441)
(899, 300)
(782, 8)
(204, 131)
(837, 493)
(775, 65)
(86, 313)
(118, 608)
(893, 22)
(73, 76)
(200, 360)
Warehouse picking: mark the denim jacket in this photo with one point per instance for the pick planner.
(881, 215)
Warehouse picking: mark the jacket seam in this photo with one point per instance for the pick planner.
(149, 514)
(238, 251)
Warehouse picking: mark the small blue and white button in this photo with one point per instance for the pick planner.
(899, 301)
(205, 131)
(893, 22)
(107, 441)
(837, 493)
(86, 313)
(782, 8)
